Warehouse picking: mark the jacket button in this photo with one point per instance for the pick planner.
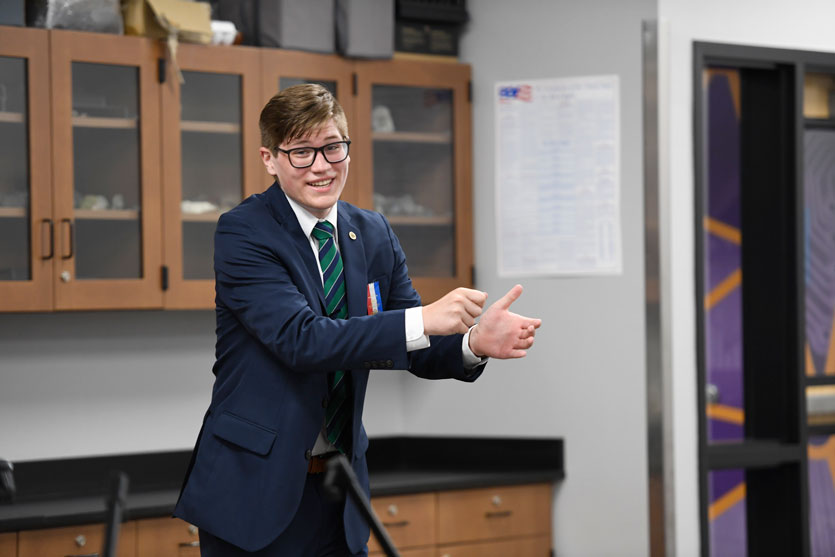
(389, 364)
(307, 454)
(324, 402)
(366, 364)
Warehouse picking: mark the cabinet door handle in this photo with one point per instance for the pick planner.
(51, 238)
(498, 514)
(72, 239)
(190, 544)
(398, 524)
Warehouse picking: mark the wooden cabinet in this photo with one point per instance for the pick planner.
(423, 552)
(112, 179)
(539, 546)
(8, 544)
(498, 521)
(409, 520)
(26, 250)
(166, 537)
(72, 541)
(501, 512)
(412, 160)
(106, 180)
(210, 162)
(79, 183)
(489, 522)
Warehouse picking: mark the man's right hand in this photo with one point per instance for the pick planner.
(454, 313)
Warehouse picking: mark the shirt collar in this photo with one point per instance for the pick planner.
(308, 221)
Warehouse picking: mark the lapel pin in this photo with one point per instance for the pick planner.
(351, 235)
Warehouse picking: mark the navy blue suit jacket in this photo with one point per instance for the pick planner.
(275, 347)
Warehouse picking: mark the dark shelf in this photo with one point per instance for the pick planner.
(819, 124)
(815, 430)
(752, 454)
(820, 380)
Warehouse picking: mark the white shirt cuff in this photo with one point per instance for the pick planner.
(470, 360)
(415, 337)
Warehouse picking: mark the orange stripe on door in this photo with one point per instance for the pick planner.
(723, 289)
(724, 413)
(727, 501)
(725, 231)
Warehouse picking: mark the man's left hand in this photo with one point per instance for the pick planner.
(502, 334)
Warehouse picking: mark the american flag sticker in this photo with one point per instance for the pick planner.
(375, 302)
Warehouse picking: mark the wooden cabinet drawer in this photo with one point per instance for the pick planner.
(8, 544)
(421, 552)
(539, 546)
(500, 512)
(164, 537)
(74, 540)
(409, 520)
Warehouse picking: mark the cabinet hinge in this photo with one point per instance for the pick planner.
(164, 277)
(161, 70)
(354, 84)
(470, 91)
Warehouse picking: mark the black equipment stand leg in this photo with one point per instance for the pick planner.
(118, 496)
(339, 479)
(7, 486)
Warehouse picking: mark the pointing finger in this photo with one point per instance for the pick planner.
(511, 296)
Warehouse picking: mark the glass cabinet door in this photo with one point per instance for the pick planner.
(210, 156)
(106, 238)
(282, 69)
(414, 179)
(105, 131)
(418, 155)
(25, 212)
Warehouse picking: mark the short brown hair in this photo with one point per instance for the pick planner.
(298, 110)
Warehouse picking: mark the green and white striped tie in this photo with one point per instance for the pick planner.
(338, 413)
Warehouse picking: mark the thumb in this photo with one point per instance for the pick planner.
(511, 296)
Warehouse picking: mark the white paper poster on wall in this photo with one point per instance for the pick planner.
(558, 176)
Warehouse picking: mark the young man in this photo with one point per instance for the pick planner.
(296, 338)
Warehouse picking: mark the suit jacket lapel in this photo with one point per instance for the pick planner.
(353, 262)
(284, 214)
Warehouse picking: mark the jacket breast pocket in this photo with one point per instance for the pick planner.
(245, 434)
(378, 286)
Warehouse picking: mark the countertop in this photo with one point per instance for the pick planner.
(65, 492)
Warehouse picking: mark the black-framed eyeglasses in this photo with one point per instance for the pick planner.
(302, 157)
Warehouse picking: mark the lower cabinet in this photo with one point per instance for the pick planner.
(539, 546)
(497, 521)
(8, 544)
(165, 537)
(72, 541)
(409, 520)
(490, 522)
(423, 552)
